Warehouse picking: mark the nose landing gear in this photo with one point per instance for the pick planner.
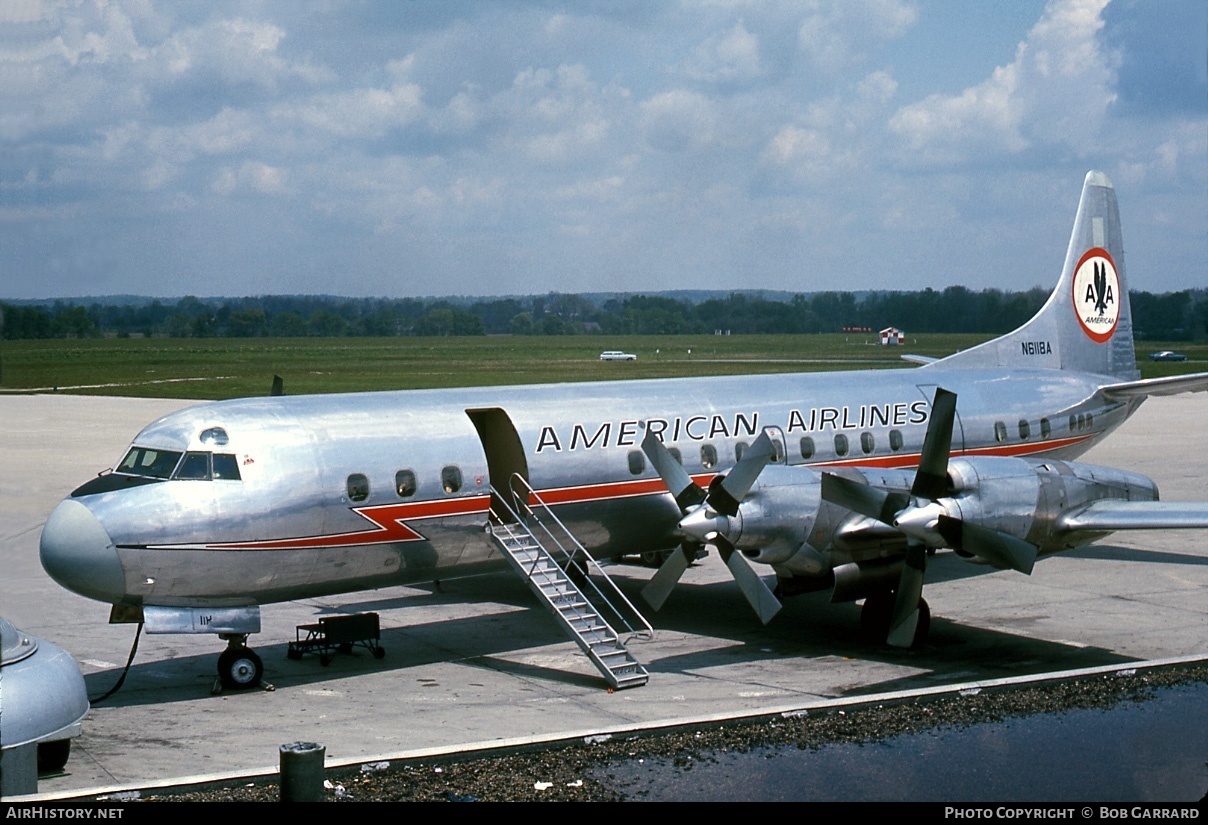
(239, 668)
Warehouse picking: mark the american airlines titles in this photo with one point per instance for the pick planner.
(715, 426)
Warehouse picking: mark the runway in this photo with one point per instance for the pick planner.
(479, 664)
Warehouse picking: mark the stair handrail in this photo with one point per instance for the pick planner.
(528, 497)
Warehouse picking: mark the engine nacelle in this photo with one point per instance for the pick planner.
(777, 514)
(1026, 497)
(784, 521)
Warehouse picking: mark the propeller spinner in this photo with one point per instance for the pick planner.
(707, 518)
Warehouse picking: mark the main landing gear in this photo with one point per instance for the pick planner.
(239, 668)
(877, 614)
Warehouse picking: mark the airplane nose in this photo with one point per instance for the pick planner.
(78, 554)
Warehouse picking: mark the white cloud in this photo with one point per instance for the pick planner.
(730, 56)
(250, 176)
(835, 36)
(235, 50)
(1056, 91)
(678, 121)
(356, 113)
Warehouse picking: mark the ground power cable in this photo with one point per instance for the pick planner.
(121, 679)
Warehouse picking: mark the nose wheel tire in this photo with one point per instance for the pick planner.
(239, 668)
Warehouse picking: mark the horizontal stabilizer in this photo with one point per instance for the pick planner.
(1111, 515)
(919, 359)
(1171, 385)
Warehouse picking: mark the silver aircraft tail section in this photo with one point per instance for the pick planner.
(1086, 324)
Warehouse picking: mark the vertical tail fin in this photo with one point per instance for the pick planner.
(1086, 324)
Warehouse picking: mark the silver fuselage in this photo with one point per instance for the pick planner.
(295, 523)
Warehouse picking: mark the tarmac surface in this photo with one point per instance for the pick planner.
(479, 664)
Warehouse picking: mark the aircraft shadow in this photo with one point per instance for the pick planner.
(1115, 553)
(809, 628)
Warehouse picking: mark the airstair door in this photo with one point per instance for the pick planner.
(505, 457)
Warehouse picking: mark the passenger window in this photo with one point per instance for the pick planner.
(807, 448)
(450, 479)
(840, 444)
(1025, 429)
(1045, 428)
(895, 440)
(637, 462)
(675, 453)
(1000, 432)
(739, 449)
(867, 443)
(1090, 420)
(358, 487)
(226, 467)
(1073, 422)
(708, 456)
(405, 484)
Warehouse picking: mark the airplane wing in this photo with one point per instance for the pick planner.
(1172, 385)
(1110, 515)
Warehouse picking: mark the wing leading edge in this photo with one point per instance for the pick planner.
(1112, 515)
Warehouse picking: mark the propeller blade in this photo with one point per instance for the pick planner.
(686, 492)
(931, 479)
(668, 575)
(1000, 549)
(905, 621)
(757, 593)
(863, 498)
(725, 495)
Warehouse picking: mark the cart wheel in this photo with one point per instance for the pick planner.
(379, 652)
(52, 756)
(293, 653)
(239, 668)
(325, 659)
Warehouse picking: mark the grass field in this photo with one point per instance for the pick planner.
(233, 367)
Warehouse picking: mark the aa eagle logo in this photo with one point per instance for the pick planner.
(1097, 294)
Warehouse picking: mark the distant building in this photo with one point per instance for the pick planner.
(892, 337)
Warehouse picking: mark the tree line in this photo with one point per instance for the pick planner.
(1171, 316)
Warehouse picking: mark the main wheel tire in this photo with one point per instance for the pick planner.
(875, 616)
(239, 668)
(654, 558)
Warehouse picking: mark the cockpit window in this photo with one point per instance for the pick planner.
(226, 468)
(196, 467)
(149, 463)
(202, 466)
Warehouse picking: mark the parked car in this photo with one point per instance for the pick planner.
(617, 355)
(1167, 355)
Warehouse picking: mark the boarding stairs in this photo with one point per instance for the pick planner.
(567, 580)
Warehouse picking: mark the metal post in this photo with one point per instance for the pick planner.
(302, 772)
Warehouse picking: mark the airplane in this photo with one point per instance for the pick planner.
(839, 480)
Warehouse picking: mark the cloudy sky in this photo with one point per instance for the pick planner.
(486, 148)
